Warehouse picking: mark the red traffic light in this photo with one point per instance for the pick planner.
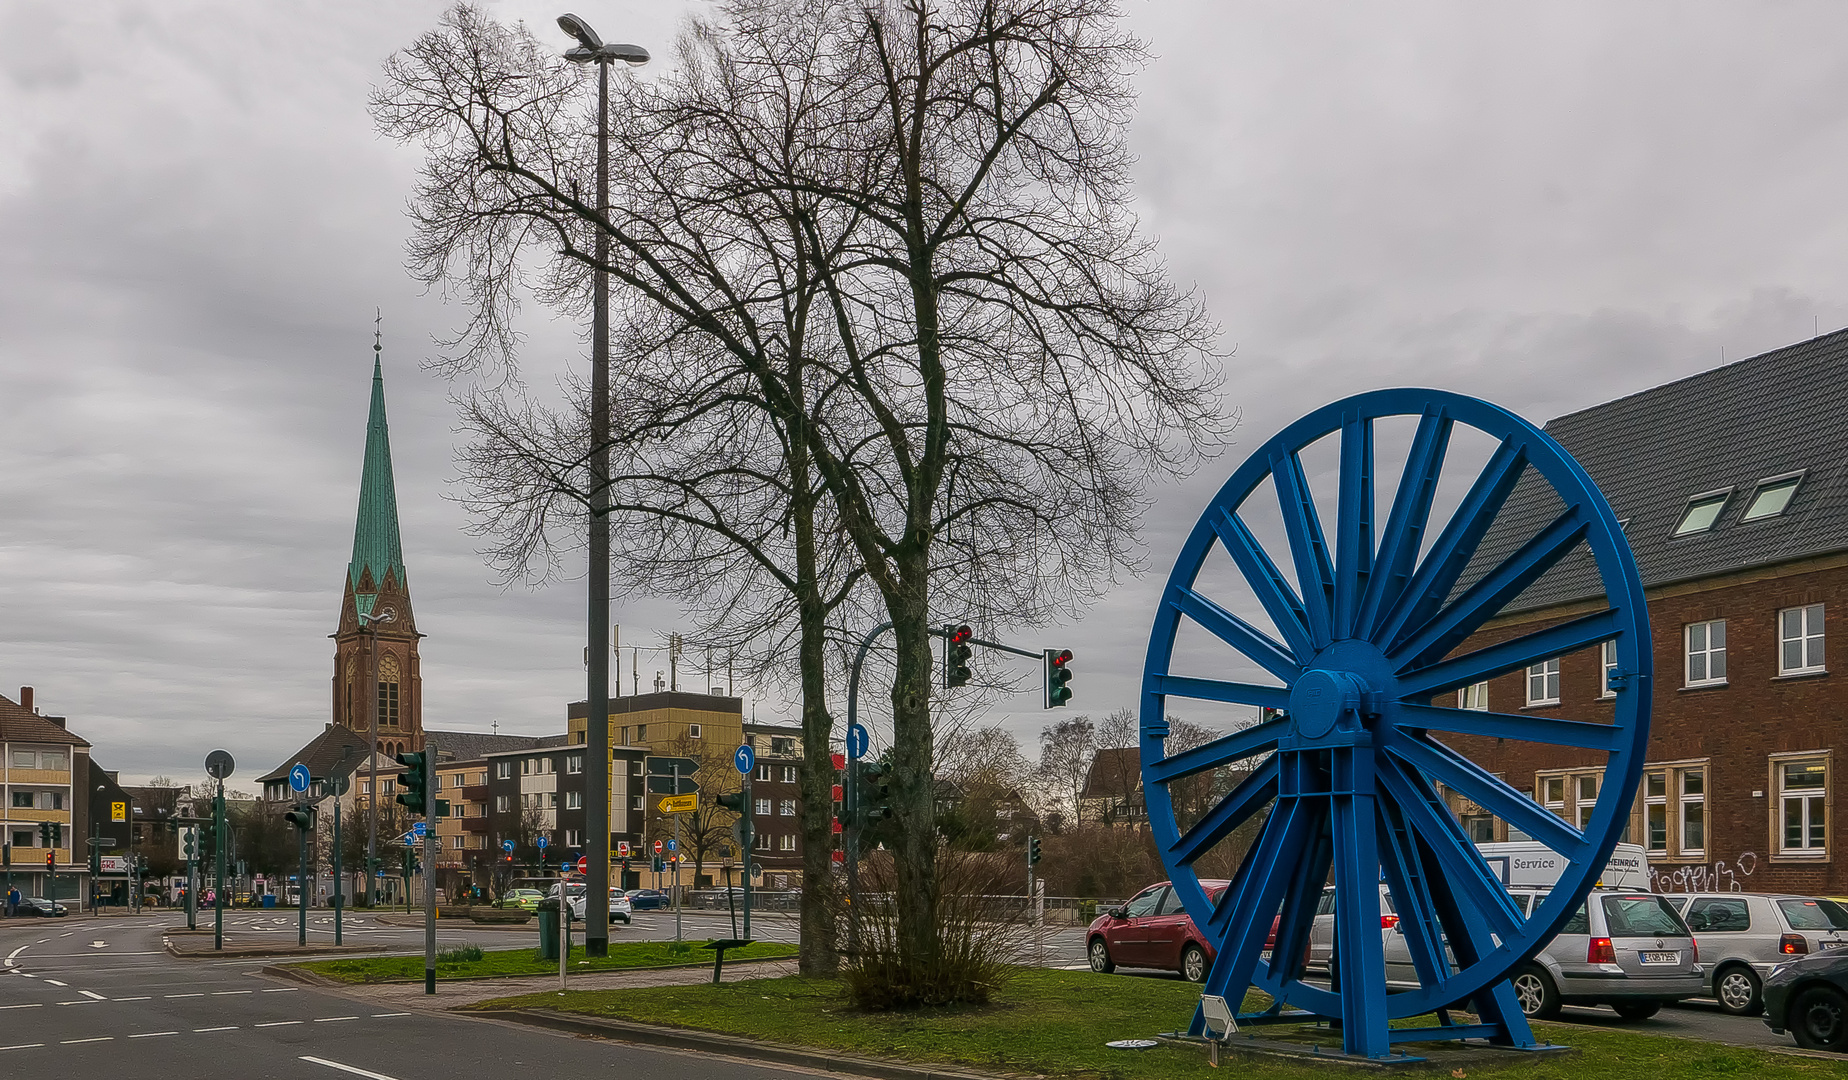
(960, 635)
(1062, 658)
(839, 761)
(51, 858)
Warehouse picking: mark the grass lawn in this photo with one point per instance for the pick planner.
(623, 954)
(1054, 1023)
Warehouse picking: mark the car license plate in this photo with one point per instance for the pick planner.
(1835, 944)
(1661, 958)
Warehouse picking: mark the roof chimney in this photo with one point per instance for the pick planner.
(25, 698)
(58, 720)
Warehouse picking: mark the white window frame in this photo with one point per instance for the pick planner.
(502, 804)
(53, 761)
(503, 770)
(762, 808)
(1809, 800)
(574, 763)
(789, 774)
(1607, 667)
(786, 842)
(1711, 656)
(1544, 794)
(1794, 481)
(1545, 677)
(1808, 631)
(1684, 800)
(692, 731)
(1717, 499)
(763, 774)
(1474, 697)
(574, 800)
(786, 808)
(574, 838)
(1655, 801)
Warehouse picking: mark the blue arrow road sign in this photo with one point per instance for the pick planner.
(410, 840)
(540, 842)
(673, 845)
(507, 846)
(418, 829)
(298, 778)
(857, 741)
(745, 759)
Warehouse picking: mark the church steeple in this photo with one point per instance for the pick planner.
(378, 554)
(377, 670)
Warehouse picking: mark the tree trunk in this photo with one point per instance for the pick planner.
(912, 787)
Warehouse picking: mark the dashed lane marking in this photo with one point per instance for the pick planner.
(34, 1005)
(381, 1016)
(226, 993)
(153, 1034)
(55, 982)
(281, 990)
(277, 1023)
(144, 997)
(81, 1001)
(23, 1046)
(75, 1042)
(200, 994)
(354, 1069)
(228, 1027)
(334, 1019)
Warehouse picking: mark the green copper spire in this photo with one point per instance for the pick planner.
(376, 546)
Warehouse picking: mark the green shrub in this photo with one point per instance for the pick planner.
(465, 954)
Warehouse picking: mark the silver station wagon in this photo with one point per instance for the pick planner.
(1745, 935)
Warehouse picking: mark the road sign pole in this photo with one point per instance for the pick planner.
(676, 862)
(192, 884)
(301, 898)
(750, 836)
(429, 848)
(338, 903)
(218, 876)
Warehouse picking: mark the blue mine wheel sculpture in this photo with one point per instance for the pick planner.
(1351, 751)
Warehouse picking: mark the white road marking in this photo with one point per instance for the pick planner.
(67, 933)
(143, 997)
(381, 1016)
(200, 994)
(229, 1027)
(281, 990)
(277, 1023)
(92, 994)
(99, 944)
(55, 982)
(332, 1019)
(10, 956)
(34, 1005)
(223, 993)
(354, 1069)
(23, 1046)
(82, 1001)
(153, 1034)
(99, 1038)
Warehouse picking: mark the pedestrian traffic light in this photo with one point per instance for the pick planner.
(956, 669)
(1058, 673)
(414, 782)
(302, 817)
(1033, 851)
(872, 794)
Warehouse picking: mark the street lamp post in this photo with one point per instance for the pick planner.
(592, 49)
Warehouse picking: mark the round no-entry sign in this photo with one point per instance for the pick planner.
(657, 847)
(583, 864)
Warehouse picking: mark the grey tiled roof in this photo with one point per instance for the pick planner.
(470, 745)
(1779, 412)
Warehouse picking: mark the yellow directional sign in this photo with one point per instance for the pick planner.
(118, 811)
(679, 804)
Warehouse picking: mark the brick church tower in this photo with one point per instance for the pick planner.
(376, 606)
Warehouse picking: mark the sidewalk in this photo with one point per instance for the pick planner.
(188, 944)
(451, 995)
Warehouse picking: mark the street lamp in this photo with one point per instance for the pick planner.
(591, 49)
(370, 621)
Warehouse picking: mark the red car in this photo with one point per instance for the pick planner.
(1151, 931)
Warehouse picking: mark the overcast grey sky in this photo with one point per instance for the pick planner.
(1548, 205)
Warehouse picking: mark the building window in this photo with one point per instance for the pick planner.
(1543, 683)
(635, 804)
(786, 808)
(1474, 697)
(526, 766)
(782, 747)
(763, 807)
(789, 774)
(1799, 634)
(1606, 669)
(1703, 512)
(574, 763)
(786, 843)
(388, 692)
(500, 804)
(641, 733)
(1772, 497)
(459, 845)
(24, 838)
(692, 731)
(574, 800)
(574, 838)
(763, 841)
(52, 760)
(1706, 649)
(763, 773)
(1480, 828)
(1570, 795)
(1802, 793)
(503, 770)
(1693, 811)
(22, 799)
(1585, 797)
(389, 787)
(25, 759)
(1655, 811)
(1553, 793)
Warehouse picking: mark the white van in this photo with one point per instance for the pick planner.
(1528, 864)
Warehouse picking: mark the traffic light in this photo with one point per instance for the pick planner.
(51, 834)
(1033, 851)
(872, 794)
(191, 842)
(302, 817)
(735, 802)
(414, 782)
(956, 669)
(51, 860)
(1058, 673)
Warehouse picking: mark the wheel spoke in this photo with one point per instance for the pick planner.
(1466, 778)
(1223, 751)
(1418, 919)
(1232, 693)
(1467, 876)
(1353, 523)
(1506, 656)
(1406, 522)
(1238, 633)
(1232, 811)
(1456, 545)
(1308, 547)
(1303, 896)
(1536, 729)
(1280, 603)
(1358, 949)
(1255, 893)
(1497, 589)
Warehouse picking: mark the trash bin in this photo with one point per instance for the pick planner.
(269, 899)
(548, 929)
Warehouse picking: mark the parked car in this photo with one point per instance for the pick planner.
(525, 899)
(1152, 930)
(1747, 934)
(1808, 998)
(41, 907)
(620, 908)
(648, 899)
(717, 899)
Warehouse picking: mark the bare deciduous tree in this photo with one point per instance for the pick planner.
(1066, 750)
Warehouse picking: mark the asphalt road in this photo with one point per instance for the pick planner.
(96, 997)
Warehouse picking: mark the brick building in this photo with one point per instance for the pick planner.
(1733, 489)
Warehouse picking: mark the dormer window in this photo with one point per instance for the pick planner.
(1703, 512)
(1772, 497)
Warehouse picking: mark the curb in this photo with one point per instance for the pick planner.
(418, 981)
(729, 1045)
(265, 950)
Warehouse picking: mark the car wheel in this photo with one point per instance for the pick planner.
(1737, 990)
(1100, 957)
(1819, 1019)
(1534, 989)
(1193, 964)
(1637, 1010)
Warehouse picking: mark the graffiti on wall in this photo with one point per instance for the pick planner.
(1721, 876)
